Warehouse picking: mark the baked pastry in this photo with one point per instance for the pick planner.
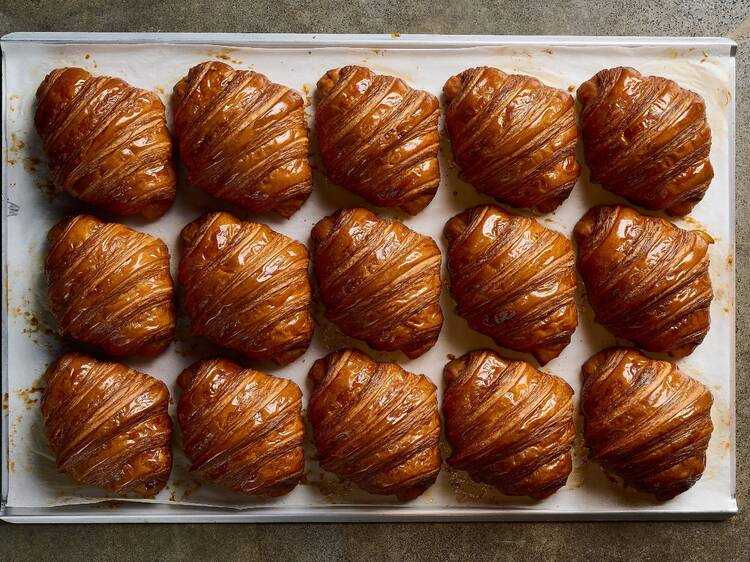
(241, 428)
(508, 424)
(375, 424)
(647, 423)
(107, 425)
(379, 280)
(646, 279)
(646, 138)
(513, 280)
(513, 137)
(246, 287)
(243, 138)
(378, 137)
(106, 142)
(110, 286)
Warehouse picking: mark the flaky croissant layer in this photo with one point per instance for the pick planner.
(106, 142)
(646, 422)
(107, 425)
(242, 428)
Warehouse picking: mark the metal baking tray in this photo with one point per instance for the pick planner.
(32, 492)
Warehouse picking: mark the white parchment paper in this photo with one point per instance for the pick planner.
(33, 207)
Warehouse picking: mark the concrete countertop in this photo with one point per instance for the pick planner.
(728, 540)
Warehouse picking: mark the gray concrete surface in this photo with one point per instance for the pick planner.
(729, 540)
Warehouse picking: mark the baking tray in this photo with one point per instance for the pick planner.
(33, 493)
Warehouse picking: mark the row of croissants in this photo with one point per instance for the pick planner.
(244, 139)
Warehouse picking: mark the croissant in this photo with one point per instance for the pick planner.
(513, 280)
(509, 425)
(379, 280)
(375, 424)
(513, 137)
(646, 279)
(106, 142)
(110, 286)
(243, 138)
(241, 428)
(646, 138)
(246, 287)
(645, 421)
(107, 425)
(378, 137)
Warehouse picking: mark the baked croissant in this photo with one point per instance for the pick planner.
(246, 287)
(379, 280)
(645, 421)
(110, 286)
(508, 424)
(646, 138)
(241, 428)
(375, 424)
(378, 137)
(513, 280)
(243, 138)
(513, 137)
(106, 142)
(107, 425)
(646, 279)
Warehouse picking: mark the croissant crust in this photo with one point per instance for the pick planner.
(375, 424)
(645, 421)
(379, 280)
(246, 287)
(509, 425)
(242, 428)
(646, 139)
(106, 142)
(513, 280)
(107, 425)
(513, 137)
(243, 138)
(110, 286)
(378, 137)
(646, 279)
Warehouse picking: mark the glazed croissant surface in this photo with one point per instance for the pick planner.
(106, 142)
(378, 137)
(646, 139)
(107, 425)
(241, 428)
(379, 280)
(513, 137)
(246, 287)
(243, 138)
(375, 424)
(646, 279)
(646, 422)
(110, 286)
(509, 425)
(513, 280)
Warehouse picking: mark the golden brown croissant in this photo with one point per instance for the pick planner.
(646, 138)
(106, 142)
(243, 138)
(375, 424)
(108, 425)
(513, 137)
(379, 280)
(378, 137)
(110, 286)
(645, 421)
(509, 425)
(646, 279)
(513, 280)
(241, 428)
(246, 287)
